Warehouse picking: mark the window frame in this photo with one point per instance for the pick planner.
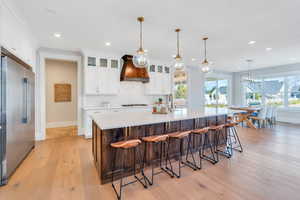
(285, 77)
(217, 79)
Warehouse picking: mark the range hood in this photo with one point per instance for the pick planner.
(131, 73)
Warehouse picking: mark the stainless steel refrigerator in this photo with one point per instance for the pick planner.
(17, 122)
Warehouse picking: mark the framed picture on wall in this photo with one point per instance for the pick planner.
(62, 92)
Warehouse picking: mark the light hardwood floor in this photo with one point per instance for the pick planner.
(63, 169)
(52, 133)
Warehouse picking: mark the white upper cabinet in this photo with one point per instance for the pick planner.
(15, 36)
(160, 80)
(102, 76)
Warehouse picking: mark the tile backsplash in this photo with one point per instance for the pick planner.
(129, 93)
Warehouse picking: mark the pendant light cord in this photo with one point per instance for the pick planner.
(141, 35)
(178, 43)
(205, 49)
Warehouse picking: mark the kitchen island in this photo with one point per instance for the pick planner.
(118, 126)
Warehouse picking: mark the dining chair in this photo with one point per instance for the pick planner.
(274, 115)
(261, 118)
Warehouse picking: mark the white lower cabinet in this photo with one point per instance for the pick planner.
(88, 121)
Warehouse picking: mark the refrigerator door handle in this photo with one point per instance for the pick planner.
(25, 100)
(28, 103)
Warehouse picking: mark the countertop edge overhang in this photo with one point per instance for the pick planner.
(108, 121)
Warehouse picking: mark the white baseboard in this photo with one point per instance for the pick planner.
(80, 131)
(289, 120)
(39, 136)
(61, 124)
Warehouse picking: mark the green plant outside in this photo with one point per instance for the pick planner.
(181, 92)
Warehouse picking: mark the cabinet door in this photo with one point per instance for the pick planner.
(114, 80)
(166, 84)
(103, 80)
(92, 81)
(150, 87)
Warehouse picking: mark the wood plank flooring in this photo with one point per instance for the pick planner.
(52, 133)
(63, 169)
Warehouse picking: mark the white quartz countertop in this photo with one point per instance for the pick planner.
(87, 108)
(112, 120)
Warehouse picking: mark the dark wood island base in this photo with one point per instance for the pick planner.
(103, 153)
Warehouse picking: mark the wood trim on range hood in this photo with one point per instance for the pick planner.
(131, 73)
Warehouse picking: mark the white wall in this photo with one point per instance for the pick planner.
(60, 114)
(130, 92)
(195, 88)
(15, 34)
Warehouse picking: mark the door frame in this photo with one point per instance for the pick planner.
(41, 88)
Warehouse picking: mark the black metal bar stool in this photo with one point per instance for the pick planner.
(156, 141)
(173, 138)
(219, 133)
(125, 146)
(232, 133)
(197, 133)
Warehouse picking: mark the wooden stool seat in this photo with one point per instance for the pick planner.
(126, 144)
(232, 124)
(155, 138)
(216, 128)
(201, 130)
(179, 135)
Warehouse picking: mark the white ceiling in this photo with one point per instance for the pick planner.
(229, 24)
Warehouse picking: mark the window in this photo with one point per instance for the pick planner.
(253, 92)
(273, 89)
(211, 93)
(180, 89)
(216, 93)
(293, 83)
(276, 91)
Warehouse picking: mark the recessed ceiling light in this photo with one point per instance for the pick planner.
(173, 55)
(50, 11)
(193, 59)
(252, 42)
(57, 35)
(268, 49)
(107, 43)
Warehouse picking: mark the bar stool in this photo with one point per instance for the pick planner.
(156, 140)
(199, 133)
(232, 133)
(218, 132)
(125, 146)
(177, 137)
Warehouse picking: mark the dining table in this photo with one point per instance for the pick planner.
(245, 114)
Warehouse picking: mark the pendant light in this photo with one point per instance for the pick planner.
(178, 65)
(140, 60)
(205, 66)
(249, 77)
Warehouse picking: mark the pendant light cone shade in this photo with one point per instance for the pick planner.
(178, 63)
(140, 59)
(205, 65)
